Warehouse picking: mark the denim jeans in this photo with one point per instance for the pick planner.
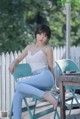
(41, 81)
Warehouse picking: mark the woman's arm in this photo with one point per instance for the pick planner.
(49, 54)
(22, 55)
(18, 59)
(50, 59)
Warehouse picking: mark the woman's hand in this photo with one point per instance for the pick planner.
(57, 89)
(12, 67)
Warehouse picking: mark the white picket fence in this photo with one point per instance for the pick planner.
(6, 79)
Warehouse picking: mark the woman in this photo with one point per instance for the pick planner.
(40, 58)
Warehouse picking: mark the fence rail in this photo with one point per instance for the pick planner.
(6, 79)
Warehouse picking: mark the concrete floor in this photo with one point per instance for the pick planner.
(75, 114)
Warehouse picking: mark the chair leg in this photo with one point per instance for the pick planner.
(34, 109)
(74, 97)
(76, 100)
(71, 107)
(56, 114)
(30, 113)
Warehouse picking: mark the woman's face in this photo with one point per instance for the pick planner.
(42, 38)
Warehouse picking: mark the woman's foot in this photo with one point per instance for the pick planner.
(57, 90)
(51, 99)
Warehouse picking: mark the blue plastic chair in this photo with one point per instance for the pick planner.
(67, 66)
(24, 70)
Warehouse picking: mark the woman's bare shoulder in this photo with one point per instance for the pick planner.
(48, 48)
(28, 47)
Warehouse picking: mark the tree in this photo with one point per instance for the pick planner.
(18, 18)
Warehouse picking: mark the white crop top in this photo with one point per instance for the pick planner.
(37, 61)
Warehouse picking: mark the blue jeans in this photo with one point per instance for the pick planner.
(41, 81)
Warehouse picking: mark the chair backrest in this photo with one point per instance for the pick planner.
(22, 70)
(66, 65)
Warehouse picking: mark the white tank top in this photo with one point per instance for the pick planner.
(37, 61)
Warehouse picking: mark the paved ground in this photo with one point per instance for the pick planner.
(75, 114)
